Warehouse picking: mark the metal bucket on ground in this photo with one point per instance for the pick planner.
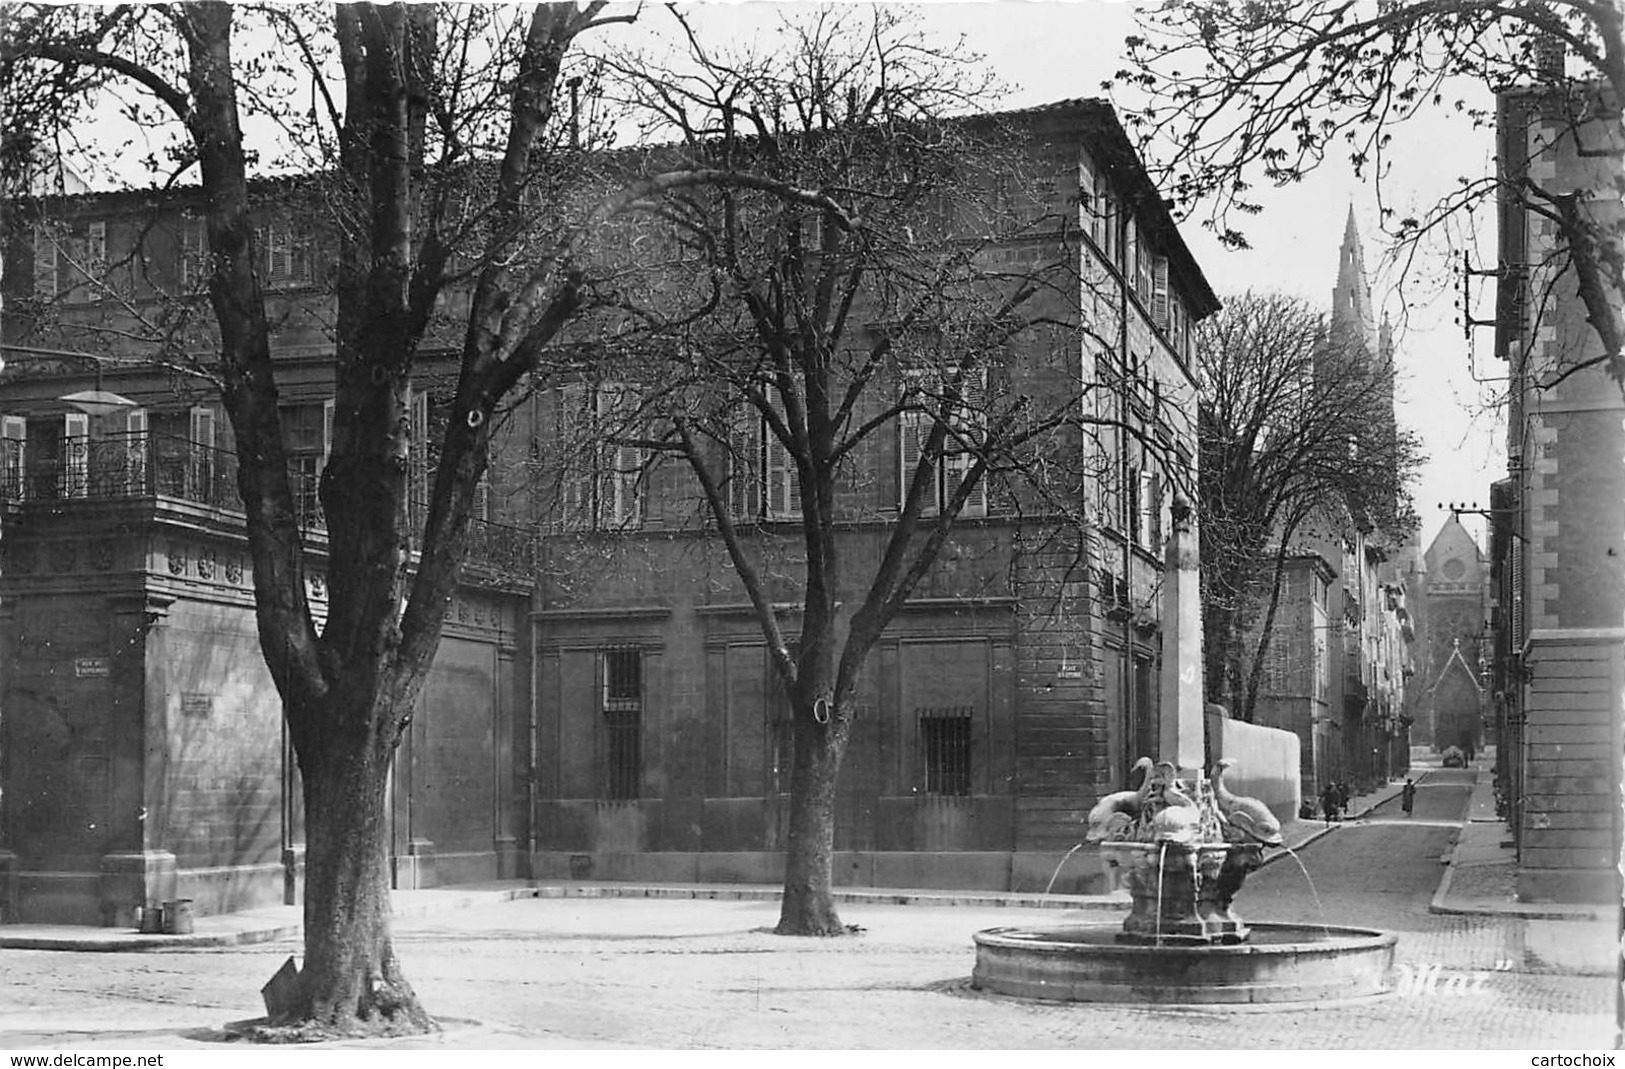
(150, 918)
(178, 917)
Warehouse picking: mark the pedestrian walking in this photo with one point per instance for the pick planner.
(1328, 802)
(1343, 798)
(1407, 796)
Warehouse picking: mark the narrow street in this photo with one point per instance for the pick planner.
(1378, 872)
(644, 972)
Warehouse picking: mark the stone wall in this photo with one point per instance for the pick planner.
(1267, 763)
(141, 744)
(1571, 814)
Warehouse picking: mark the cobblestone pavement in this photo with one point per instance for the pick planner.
(695, 974)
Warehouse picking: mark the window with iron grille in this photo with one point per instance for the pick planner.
(623, 723)
(945, 736)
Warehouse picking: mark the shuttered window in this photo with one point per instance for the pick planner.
(763, 483)
(45, 273)
(76, 454)
(966, 418)
(601, 472)
(13, 457)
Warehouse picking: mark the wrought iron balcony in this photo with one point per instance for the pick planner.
(117, 466)
(136, 465)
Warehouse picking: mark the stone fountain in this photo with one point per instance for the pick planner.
(1181, 844)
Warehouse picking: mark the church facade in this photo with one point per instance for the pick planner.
(1455, 705)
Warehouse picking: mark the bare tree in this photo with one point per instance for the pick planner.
(1296, 427)
(1242, 93)
(444, 169)
(833, 331)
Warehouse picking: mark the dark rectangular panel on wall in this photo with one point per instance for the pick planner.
(716, 722)
(1000, 732)
(657, 726)
(578, 716)
(222, 736)
(749, 689)
(548, 725)
(1112, 669)
(452, 786)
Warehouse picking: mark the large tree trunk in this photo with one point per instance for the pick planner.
(352, 981)
(808, 907)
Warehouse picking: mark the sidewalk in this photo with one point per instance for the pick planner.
(1482, 874)
(1477, 880)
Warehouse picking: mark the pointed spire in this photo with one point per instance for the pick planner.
(1351, 299)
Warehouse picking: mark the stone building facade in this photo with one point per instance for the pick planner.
(1560, 644)
(601, 705)
(1017, 687)
(142, 754)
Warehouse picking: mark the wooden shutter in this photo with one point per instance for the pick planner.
(745, 467)
(1517, 607)
(627, 461)
(606, 456)
(277, 261)
(1157, 495)
(299, 257)
(327, 432)
(135, 450)
(13, 457)
(570, 425)
(76, 454)
(45, 276)
(783, 481)
(912, 428)
(96, 246)
(1087, 207)
(200, 425)
(194, 253)
(955, 469)
(1159, 292)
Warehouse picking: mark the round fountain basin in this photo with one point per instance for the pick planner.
(1278, 963)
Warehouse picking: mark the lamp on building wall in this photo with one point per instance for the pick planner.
(97, 402)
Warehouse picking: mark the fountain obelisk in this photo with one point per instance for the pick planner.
(1180, 738)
